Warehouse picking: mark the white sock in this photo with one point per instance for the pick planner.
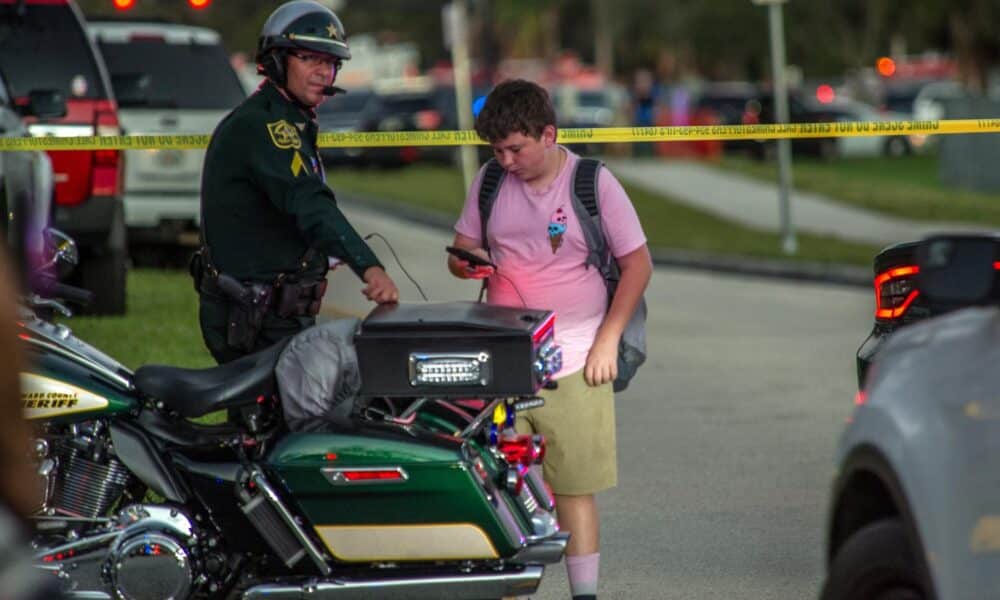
(582, 570)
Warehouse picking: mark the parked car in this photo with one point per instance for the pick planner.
(585, 108)
(26, 181)
(581, 107)
(913, 509)
(898, 97)
(872, 145)
(45, 48)
(929, 103)
(407, 105)
(731, 102)
(168, 79)
(353, 111)
(742, 103)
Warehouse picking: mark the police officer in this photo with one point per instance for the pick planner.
(270, 222)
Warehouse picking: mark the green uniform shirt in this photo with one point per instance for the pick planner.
(264, 198)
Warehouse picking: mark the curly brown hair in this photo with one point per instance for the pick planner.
(515, 106)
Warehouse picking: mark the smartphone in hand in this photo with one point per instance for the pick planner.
(473, 259)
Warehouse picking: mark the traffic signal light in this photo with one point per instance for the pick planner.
(199, 4)
(123, 4)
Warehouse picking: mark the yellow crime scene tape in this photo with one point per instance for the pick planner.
(601, 135)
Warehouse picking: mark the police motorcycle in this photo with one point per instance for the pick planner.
(424, 491)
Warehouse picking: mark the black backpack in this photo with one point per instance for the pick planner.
(632, 347)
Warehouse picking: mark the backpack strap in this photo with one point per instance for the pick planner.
(489, 189)
(585, 183)
(587, 206)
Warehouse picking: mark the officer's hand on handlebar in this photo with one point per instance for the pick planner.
(380, 288)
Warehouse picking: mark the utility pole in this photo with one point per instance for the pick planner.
(789, 243)
(600, 18)
(456, 27)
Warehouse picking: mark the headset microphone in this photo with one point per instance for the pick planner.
(330, 90)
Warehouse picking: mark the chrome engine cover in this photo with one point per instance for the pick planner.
(153, 558)
(151, 565)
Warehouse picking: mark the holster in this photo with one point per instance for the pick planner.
(300, 298)
(246, 317)
(249, 303)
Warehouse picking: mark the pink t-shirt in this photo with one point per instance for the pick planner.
(537, 243)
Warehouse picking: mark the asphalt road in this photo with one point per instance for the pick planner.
(726, 436)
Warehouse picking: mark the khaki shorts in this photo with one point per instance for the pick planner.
(578, 422)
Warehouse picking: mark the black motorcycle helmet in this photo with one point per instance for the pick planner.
(299, 24)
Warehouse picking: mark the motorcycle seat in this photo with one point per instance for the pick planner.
(196, 392)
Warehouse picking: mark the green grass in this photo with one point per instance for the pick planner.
(906, 187)
(668, 223)
(161, 324)
(438, 189)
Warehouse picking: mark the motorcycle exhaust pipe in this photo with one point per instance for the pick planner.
(512, 582)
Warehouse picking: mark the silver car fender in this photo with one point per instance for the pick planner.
(931, 415)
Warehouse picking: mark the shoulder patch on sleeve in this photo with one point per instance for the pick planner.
(284, 135)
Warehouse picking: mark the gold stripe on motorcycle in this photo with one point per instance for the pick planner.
(43, 397)
(602, 135)
(446, 541)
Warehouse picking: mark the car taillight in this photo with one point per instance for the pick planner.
(895, 291)
(107, 175)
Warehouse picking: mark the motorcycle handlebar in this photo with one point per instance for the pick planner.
(71, 293)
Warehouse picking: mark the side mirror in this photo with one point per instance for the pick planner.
(131, 89)
(957, 269)
(61, 252)
(45, 104)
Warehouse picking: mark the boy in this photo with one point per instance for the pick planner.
(538, 245)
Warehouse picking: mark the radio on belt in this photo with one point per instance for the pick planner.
(456, 349)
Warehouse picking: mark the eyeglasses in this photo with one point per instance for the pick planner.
(315, 60)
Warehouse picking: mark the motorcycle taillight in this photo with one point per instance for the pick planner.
(523, 449)
(895, 291)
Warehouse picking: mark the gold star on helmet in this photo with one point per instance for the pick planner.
(331, 30)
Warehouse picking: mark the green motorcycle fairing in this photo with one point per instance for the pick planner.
(61, 390)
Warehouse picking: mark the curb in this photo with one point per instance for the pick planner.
(806, 271)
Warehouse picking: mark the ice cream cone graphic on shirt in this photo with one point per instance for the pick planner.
(555, 241)
(557, 228)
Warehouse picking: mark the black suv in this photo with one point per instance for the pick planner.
(45, 48)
